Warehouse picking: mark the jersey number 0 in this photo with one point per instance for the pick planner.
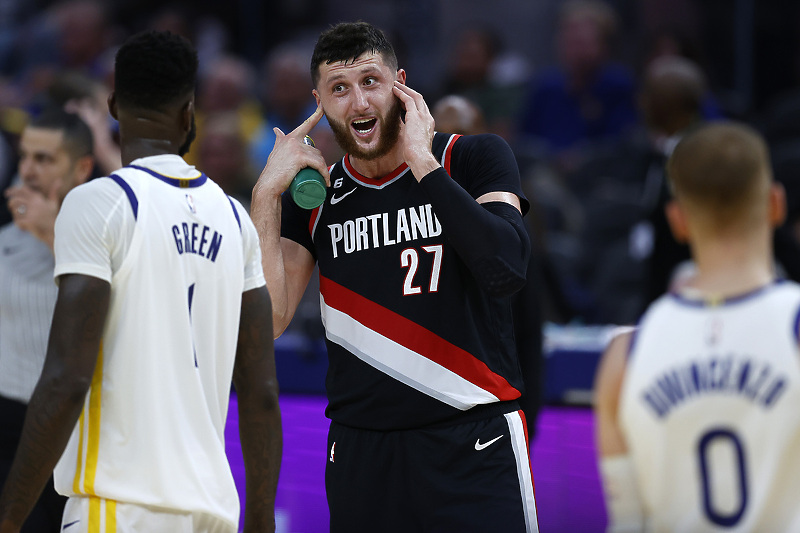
(711, 446)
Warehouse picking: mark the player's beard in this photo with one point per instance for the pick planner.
(389, 133)
(187, 144)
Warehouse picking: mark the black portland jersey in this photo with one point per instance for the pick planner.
(412, 339)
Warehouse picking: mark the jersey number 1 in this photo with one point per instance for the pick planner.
(191, 299)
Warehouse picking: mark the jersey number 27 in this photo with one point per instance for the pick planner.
(409, 258)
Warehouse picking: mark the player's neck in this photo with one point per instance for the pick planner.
(732, 267)
(377, 168)
(146, 133)
(145, 148)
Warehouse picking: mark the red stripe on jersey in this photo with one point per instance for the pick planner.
(373, 182)
(448, 153)
(416, 338)
(312, 221)
(528, 445)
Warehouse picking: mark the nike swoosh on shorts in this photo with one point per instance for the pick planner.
(480, 446)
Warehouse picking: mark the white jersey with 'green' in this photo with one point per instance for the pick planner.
(178, 253)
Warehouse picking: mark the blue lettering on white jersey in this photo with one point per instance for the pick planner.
(191, 239)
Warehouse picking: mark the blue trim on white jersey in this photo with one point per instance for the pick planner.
(634, 338)
(708, 302)
(797, 325)
(183, 183)
(235, 213)
(129, 192)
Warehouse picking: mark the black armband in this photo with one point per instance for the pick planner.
(490, 238)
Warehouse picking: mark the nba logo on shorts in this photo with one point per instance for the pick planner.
(333, 447)
(190, 202)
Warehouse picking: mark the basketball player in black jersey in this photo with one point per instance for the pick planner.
(420, 245)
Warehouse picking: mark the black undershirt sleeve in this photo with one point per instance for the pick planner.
(490, 238)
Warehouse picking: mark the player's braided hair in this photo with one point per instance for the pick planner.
(348, 40)
(154, 69)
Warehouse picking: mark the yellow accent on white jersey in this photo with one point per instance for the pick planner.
(152, 429)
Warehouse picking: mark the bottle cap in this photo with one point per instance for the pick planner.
(308, 189)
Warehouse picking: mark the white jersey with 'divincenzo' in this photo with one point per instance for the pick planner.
(178, 253)
(710, 410)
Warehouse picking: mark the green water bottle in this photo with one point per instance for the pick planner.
(308, 186)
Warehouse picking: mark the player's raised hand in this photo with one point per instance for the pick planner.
(416, 133)
(289, 155)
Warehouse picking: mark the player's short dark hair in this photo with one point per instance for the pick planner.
(78, 140)
(347, 41)
(154, 70)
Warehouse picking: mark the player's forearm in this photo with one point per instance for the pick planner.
(51, 416)
(265, 211)
(259, 413)
(490, 238)
(623, 504)
(262, 446)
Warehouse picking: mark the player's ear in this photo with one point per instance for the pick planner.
(316, 95)
(112, 105)
(777, 204)
(677, 221)
(187, 113)
(401, 76)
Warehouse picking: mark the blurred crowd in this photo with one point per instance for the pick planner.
(591, 129)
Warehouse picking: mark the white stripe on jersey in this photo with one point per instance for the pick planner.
(403, 364)
(520, 445)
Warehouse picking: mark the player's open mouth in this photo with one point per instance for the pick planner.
(364, 126)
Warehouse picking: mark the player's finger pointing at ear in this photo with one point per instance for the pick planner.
(308, 124)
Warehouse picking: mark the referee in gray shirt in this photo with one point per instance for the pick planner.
(55, 155)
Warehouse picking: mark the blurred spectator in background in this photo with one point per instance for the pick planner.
(69, 35)
(480, 71)
(672, 104)
(457, 114)
(585, 97)
(222, 153)
(625, 249)
(13, 15)
(673, 99)
(674, 41)
(176, 18)
(287, 100)
(227, 85)
(87, 97)
(85, 32)
(785, 156)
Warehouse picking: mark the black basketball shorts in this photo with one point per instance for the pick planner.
(470, 477)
